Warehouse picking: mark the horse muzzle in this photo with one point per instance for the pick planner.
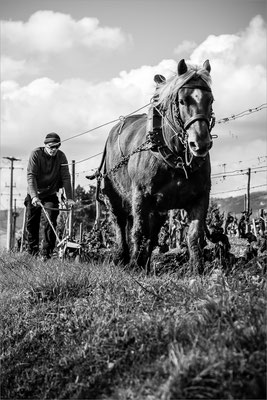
(200, 149)
(199, 138)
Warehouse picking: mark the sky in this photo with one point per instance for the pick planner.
(71, 66)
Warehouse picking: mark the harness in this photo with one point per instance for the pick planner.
(156, 122)
(156, 139)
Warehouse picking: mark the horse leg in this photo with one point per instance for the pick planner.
(196, 233)
(146, 227)
(156, 221)
(122, 225)
(140, 229)
(123, 254)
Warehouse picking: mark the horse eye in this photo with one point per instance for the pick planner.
(181, 101)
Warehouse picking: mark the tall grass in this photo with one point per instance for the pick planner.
(96, 331)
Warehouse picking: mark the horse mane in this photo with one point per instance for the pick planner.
(167, 91)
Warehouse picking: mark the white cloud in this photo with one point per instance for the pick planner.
(11, 69)
(238, 68)
(185, 48)
(246, 47)
(238, 65)
(93, 35)
(53, 32)
(73, 106)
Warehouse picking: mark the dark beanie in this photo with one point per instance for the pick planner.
(52, 138)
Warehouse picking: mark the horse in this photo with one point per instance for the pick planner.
(159, 161)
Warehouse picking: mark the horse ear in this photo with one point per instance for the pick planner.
(159, 79)
(207, 66)
(182, 67)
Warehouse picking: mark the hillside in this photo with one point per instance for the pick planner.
(235, 205)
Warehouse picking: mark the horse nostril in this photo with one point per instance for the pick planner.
(200, 149)
(193, 145)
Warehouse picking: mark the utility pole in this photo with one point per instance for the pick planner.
(73, 179)
(13, 233)
(9, 215)
(248, 202)
(73, 195)
(248, 191)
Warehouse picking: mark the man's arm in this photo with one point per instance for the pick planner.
(65, 177)
(32, 171)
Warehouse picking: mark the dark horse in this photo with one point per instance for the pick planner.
(143, 183)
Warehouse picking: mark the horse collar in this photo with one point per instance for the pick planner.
(160, 148)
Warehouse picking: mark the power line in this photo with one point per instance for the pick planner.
(122, 118)
(85, 159)
(237, 190)
(236, 174)
(241, 161)
(238, 170)
(242, 114)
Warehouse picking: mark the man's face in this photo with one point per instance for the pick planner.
(51, 149)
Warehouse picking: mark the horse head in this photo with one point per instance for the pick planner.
(194, 104)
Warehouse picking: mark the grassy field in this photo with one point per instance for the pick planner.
(96, 331)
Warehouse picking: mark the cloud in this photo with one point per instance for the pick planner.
(248, 46)
(72, 106)
(13, 69)
(185, 48)
(53, 32)
(238, 68)
(59, 47)
(238, 65)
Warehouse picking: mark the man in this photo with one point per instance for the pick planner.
(47, 172)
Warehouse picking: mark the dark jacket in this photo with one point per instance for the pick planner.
(47, 174)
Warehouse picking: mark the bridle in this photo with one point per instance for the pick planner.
(184, 125)
(179, 129)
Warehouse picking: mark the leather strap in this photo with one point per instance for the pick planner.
(197, 117)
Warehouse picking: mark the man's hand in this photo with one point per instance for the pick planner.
(70, 203)
(36, 201)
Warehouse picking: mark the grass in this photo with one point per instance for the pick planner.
(96, 331)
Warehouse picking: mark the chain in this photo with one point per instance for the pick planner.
(124, 160)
